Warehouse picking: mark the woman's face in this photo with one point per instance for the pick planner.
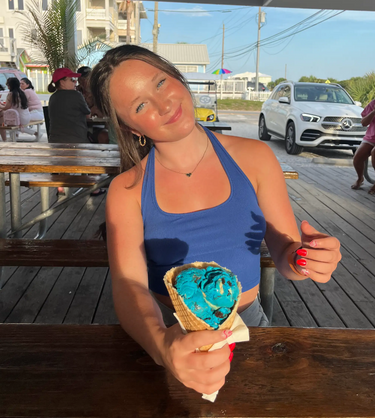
(151, 102)
(68, 83)
(23, 85)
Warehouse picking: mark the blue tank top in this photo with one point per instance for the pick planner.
(229, 234)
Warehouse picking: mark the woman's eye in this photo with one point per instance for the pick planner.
(161, 83)
(140, 107)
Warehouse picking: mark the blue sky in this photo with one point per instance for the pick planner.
(341, 47)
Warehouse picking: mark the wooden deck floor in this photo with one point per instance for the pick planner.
(322, 196)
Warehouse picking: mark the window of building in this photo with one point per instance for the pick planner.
(11, 4)
(45, 4)
(20, 5)
(78, 5)
(11, 33)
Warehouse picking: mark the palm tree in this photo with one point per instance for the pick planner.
(363, 89)
(49, 32)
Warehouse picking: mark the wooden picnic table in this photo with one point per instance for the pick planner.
(16, 158)
(99, 371)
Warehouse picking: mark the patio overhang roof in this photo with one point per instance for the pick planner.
(365, 5)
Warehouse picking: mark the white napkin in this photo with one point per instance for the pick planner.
(240, 332)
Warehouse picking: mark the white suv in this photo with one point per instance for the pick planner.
(311, 115)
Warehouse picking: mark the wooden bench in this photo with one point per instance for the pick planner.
(46, 180)
(100, 371)
(80, 253)
(14, 129)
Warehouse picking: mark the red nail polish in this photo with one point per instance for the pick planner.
(302, 252)
(230, 357)
(232, 346)
(301, 262)
(305, 272)
(313, 243)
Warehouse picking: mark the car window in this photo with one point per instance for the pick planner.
(276, 94)
(287, 92)
(10, 75)
(323, 93)
(3, 80)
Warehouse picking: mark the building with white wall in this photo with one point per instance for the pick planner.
(107, 19)
(249, 76)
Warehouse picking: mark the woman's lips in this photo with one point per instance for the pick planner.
(176, 115)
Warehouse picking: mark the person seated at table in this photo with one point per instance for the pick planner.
(16, 100)
(67, 109)
(34, 103)
(68, 112)
(97, 133)
(187, 194)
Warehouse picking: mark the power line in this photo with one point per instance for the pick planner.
(270, 40)
(198, 11)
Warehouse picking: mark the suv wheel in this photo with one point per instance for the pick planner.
(290, 140)
(263, 134)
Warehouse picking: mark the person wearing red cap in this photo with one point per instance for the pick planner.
(67, 109)
(68, 112)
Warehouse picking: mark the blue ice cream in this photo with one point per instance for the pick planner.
(209, 293)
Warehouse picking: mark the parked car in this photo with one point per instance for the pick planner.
(6, 73)
(251, 86)
(311, 115)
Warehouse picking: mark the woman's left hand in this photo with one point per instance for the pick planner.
(319, 255)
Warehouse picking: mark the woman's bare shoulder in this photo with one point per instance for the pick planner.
(128, 184)
(246, 148)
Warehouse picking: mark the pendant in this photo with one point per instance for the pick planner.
(189, 174)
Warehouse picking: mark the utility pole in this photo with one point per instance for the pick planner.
(222, 65)
(129, 10)
(258, 47)
(137, 22)
(155, 29)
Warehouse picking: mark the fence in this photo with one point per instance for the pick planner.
(237, 89)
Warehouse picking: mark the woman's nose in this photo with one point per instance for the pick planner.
(165, 106)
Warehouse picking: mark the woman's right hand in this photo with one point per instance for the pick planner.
(202, 371)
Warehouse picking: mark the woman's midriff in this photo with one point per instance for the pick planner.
(247, 298)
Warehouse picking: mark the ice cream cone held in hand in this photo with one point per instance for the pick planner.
(205, 296)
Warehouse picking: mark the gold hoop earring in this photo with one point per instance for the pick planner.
(142, 140)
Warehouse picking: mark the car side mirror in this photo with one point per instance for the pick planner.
(284, 100)
(358, 104)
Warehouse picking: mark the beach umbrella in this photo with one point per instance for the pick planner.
(222, 71)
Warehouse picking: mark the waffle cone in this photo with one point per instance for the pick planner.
(188, 319)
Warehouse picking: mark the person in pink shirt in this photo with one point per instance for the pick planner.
(33, 101)
(367, 147)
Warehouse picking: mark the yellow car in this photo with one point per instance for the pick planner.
(204, 114)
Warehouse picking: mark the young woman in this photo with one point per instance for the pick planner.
(367, 147)
(16, 100)
(35, 105)
(190, 195)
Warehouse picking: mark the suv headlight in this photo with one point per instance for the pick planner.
(210, 117)
(306, 117)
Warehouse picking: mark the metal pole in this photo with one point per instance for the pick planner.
(222, 64)
(155, 29)
(258, 46)
(15, 202)
(137, 22)
(3, 228)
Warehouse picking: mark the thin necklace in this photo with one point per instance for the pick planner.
(179, 172)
